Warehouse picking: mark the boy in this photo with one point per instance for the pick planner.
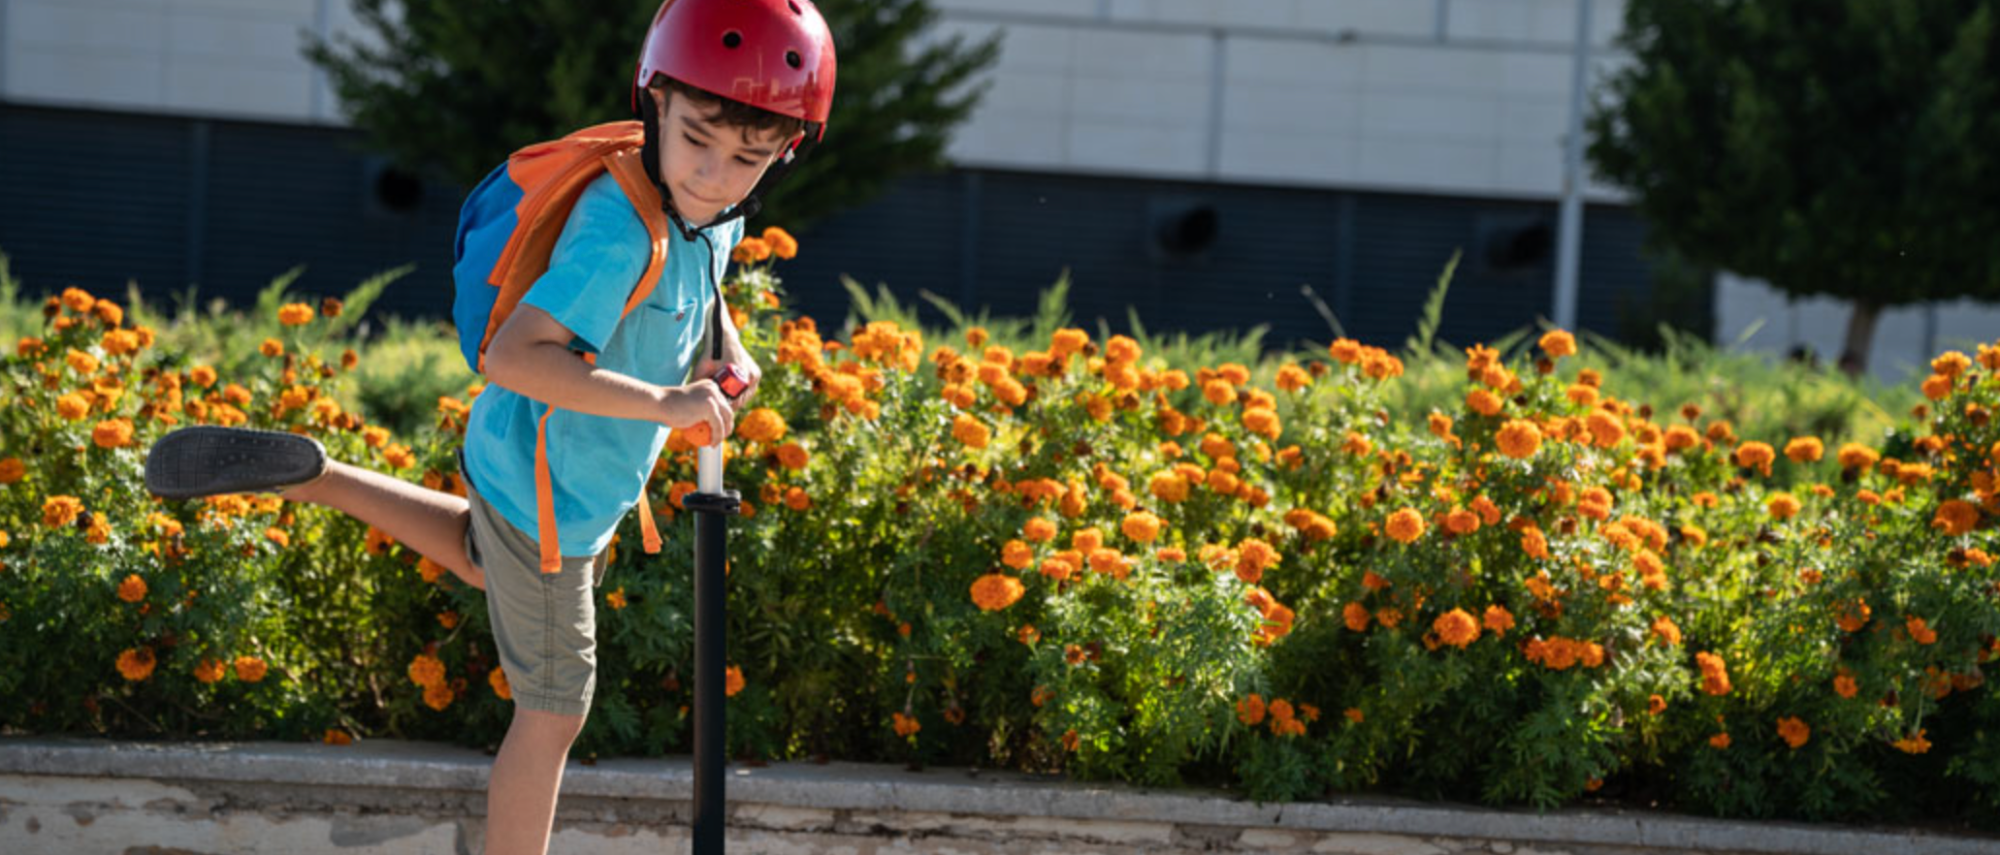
(726, 89)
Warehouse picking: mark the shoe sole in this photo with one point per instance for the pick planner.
(207, 461)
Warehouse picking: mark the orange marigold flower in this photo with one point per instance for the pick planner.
(761, 425)
(1937, 387)
(1719, 741)
(749, 251)
(1756, 454)
(967, 429)
(1845, 686)
(1263, 422)
(12, 470)
(995, 591)
(1251, 710)
(1498, 619)
(1142, 526)
(78, 300)
(1656, 705)
(1519, 439)
(616, 599)
(426, 670)
(59, 511)
(1605, 428)
(336, 736)
(1356, 616)
(1456, 628)
(1058, 568)
(1714, 673)
(136, 663)
(1667, 631)
(439, 696)
(73, 406)
(1558, 344)
(1017, 554)
(1405, 525)
(781, 242)
(272, 348)
(1168, 486)
(793, 456)
(1920, 631)
(1218, 392)
(1956, 517)
(1292, 378)
(202, 375)
(1782, 506)
(250, 669)
(278, 536)
(1857, 456)
(209, 670)
(295, 314)
(1794, 731)
(1171, 554)
(1039, 530)
(1804, 449)
(1581, 395)
(1853, 615)
(1914, 743)
(1253, 557)
(1483, 402)
(732, 681)
(497, 679)
(133, 589)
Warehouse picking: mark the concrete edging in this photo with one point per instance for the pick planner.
(879, 790)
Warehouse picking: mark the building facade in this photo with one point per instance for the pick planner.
(1202, 164)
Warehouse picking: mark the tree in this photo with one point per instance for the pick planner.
(1848, 148)
(454, 86)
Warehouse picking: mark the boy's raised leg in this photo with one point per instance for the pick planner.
(431, 522)
(521, 797)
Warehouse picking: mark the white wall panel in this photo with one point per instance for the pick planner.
(1132, 148)
(238, 90)
(1402, 18)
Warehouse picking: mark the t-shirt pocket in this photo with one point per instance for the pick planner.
(675, 331)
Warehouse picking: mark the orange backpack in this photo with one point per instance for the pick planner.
(508, 228)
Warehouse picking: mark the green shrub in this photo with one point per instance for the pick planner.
(1522, 577)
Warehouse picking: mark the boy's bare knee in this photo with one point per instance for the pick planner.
(548, 725)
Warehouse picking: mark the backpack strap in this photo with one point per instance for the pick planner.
(625, 166)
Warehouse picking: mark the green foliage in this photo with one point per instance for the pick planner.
(456, 85)
(1826, 146)
(1160, 560)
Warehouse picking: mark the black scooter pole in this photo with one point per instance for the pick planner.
(712, 506)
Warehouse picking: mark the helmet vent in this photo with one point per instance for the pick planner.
(795, 8)
(792, 59)
(732, 39)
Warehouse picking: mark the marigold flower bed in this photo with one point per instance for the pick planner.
(1064, 553)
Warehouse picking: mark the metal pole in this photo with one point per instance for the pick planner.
(1571, 245)
(712, 506)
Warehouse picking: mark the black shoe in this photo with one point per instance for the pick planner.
(205, 461)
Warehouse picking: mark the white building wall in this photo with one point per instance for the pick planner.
(1762, 318)
(1460, 97)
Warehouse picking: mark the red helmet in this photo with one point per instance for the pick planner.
(773, 54)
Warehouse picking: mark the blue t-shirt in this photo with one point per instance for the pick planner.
(598, 465)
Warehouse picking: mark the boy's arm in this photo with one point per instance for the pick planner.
(530, 355)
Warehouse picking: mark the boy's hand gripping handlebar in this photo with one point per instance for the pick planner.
(708, 454)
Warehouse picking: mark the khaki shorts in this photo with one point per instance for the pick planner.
(544, 624)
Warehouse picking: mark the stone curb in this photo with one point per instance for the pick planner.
(853, 786)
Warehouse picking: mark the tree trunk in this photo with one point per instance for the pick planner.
(1860, 336)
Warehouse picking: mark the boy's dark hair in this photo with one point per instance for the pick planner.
(732, 112)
